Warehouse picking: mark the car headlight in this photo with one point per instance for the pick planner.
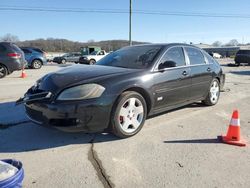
(86, 91)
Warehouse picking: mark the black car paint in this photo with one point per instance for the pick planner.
(242, 56)
(69, 57)
(93, 115)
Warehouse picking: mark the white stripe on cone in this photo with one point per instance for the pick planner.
(235, 122)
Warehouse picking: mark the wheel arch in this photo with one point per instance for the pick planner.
(37, 60)
(8, 71)
(144, 94)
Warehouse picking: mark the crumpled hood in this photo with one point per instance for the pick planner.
(77, 74)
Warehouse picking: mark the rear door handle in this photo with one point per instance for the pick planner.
(184, 73)
(208, 69)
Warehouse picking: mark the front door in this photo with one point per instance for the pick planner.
(172, 85)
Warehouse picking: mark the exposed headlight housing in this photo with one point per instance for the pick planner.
(86, 91)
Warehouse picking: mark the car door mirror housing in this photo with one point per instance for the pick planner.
(166, 64)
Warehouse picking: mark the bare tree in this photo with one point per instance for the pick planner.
(217, 43)
(232, 42)
(9, 38)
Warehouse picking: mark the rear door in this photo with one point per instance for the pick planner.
(172, 86)
(70, 57)
(201, 72)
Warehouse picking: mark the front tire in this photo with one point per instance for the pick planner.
(128, 115)
(3, 71)
(213, 93)
(36, 64)
(63, 61)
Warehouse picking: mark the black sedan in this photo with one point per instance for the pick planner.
(121, 90)
(69, 57)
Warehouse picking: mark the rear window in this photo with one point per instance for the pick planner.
(15, 47)
(210, 59)
(195, 56)
(245, 52)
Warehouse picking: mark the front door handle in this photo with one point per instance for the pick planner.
(184, 73)
(208, 69)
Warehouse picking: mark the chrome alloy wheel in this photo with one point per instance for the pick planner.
(131, 115)
(214, 92)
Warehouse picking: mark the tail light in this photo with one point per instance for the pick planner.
(14, 55)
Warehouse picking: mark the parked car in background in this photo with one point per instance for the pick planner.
(217, 55)
(68, 57)
(11, 58)
(124, 88)
(242, 56)
(89, 49)
(93, 57)
(35, 57)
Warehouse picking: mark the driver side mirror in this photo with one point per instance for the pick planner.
(166, 64)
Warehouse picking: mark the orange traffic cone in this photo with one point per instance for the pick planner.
(233, 133)
(23, 75)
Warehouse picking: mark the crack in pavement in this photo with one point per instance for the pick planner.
(7, 125)
(179, 164)
(97, 164)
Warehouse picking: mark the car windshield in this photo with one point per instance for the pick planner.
(135, 57)
(93, 53)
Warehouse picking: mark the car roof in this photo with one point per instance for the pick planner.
(167, 44)
(25, 47)
(6, 43)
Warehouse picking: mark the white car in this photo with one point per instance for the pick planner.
(93, 57)
(217, 56)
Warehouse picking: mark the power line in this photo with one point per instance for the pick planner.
(123, 11)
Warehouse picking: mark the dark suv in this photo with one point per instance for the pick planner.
(35, 57)
(11, 58)
(242, 56)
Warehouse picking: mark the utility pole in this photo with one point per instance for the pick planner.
(130, 19)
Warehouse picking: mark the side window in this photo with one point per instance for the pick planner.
(195, 56)
(26, 51)
(176, 55)
(209, 58)
(101, 53)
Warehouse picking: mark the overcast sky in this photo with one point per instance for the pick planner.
(84, 26)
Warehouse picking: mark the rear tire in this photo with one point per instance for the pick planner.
(3, 71)
(36, 64)
(128, 115)
(92, 62)
(213, 93)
